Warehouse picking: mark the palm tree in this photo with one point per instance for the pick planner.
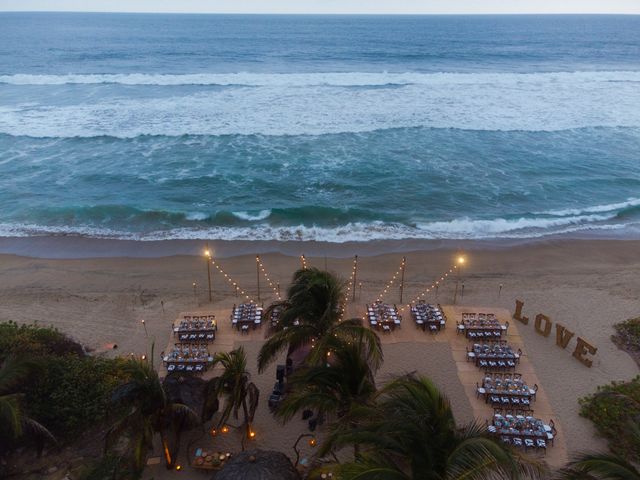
(600, 466)
(15, 424)
(411, 433)
(235, 387)
(147, 411)
(341, 386)
(604, 466)
(312, 315)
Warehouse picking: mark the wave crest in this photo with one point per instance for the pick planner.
(335, 79)
(461, 228)
(317, 104)
(251, 217)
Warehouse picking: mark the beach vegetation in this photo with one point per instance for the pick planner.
(61, 386)
(17, 427)
(146, 411)
(599, 466)
(34, 341)
(615, 411)
(235, 388)
(410, 432)
(627, 337)
(342, 386)
(311, 318)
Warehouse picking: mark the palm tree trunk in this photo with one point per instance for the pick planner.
(247, 425)
(165, 449)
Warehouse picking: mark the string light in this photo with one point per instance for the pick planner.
(271, 284)
(435, 284)
(303, 259)
(392, 281)
(348, 291)
(231, 282)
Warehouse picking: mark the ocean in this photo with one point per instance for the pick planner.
(328, 128)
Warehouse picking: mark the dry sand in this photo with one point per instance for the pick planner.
(585, 285)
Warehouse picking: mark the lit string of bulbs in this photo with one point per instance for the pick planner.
(434, 285)
(266, 276)
(303, 259)
(231, 282)
(349, 287)
(392, 281)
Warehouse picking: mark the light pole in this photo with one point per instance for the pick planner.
(207, 255)
(404, 266)
(145, 328)
(195, 292)
(258, 274)
(355, 276)
(460, 262)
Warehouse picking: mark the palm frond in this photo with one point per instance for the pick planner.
(11, 414)
(37, 431)
(13, 370)
(599, 466)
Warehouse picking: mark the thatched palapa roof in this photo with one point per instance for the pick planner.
(258, 465)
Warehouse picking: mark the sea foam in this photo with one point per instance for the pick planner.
(316, 104)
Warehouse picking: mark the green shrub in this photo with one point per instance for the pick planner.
(629, 331)
(72, 393)
(35, 341)
(69, 392)
(611, 409)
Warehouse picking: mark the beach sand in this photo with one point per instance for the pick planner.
(586, 285)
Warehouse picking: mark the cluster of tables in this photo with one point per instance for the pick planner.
(383, 316)
(188, 357)
(196, 328)
(508, 393)
(245, 316)
(481, 326)
(522, 431)
(507, 390)
(428, 316)
(494, 355)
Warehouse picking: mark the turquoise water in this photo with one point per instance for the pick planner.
(319, 128)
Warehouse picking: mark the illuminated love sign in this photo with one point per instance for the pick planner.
(543, 326)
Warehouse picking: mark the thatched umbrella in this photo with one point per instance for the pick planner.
(258, 465)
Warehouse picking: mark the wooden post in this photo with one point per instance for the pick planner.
(404, 263)
(209, 278)
(258, 274)
(455, 294)
(355, 275)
